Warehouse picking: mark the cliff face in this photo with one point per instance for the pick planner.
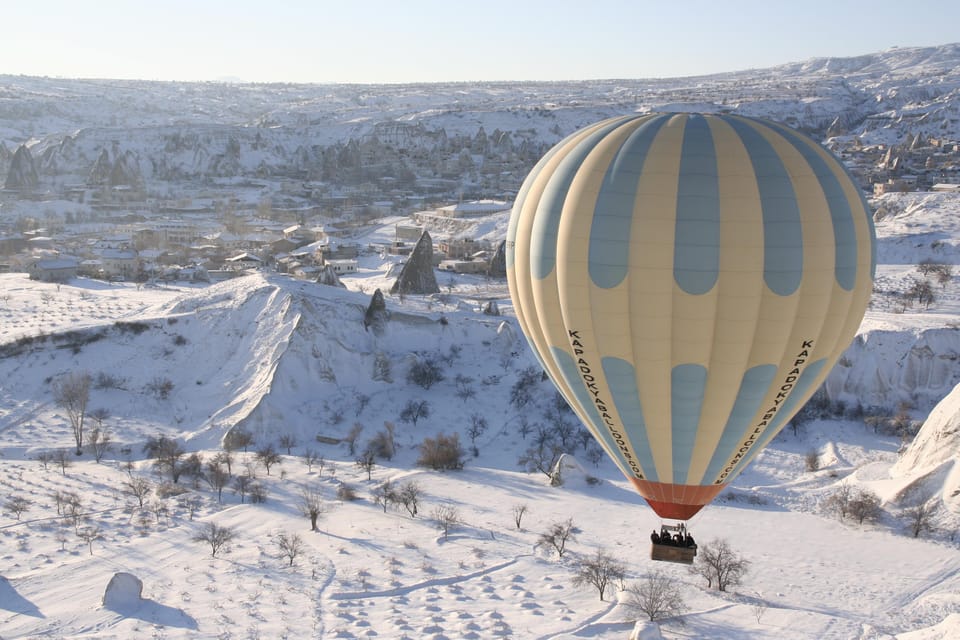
(884, 368)
(932, 461)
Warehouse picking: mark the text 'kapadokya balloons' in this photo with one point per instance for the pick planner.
(688, 281)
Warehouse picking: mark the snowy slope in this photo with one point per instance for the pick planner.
(290, 358)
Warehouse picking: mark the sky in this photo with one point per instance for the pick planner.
(384, 41)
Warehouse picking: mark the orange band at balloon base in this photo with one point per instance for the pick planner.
(676, 501)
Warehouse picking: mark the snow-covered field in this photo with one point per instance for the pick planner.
(285, 358)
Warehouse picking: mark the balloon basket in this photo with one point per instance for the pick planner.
(673, 544)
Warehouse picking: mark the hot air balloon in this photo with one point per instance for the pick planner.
(687, 281)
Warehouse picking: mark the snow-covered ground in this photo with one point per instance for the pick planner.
(281, 357)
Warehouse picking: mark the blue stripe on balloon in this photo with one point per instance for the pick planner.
(622, 380)
(793, 403)
(753, 386)
(696, 259)
(571, 375)
(543, 235)
(524, 191)
(520, 201)
(613, 214)
(782, 224)
(688, 384)
(844, 231)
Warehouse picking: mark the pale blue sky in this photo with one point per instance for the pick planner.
(373, 41)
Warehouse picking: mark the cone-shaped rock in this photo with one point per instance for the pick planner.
(23, 171)
(330, 278)
(100, 173)
(498, 263)
(417, 275)
(376, 316)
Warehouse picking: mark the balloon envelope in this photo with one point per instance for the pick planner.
(688, 281)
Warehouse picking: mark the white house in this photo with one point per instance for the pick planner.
(243, 261)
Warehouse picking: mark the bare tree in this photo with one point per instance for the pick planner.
(139, 488)
(193, 505)
(312, 505)
(599, 571)
(214, 535)
(519, 510)
(159, 509)
(414, 410)
(17, 505)
(425, 372)
(521, 392)
(920, 517)
(409, 496)
(291, 545)
(351, 437)
(237, 438)
(217, 476)
(384, 494)
(367, 461)
(542, 456)
(192, 466)
(241, 486)
(478, 425)
(45, 458)
(865, 505)
(446, 517)
(268, 456)
(839, 500)
(60, 499)
(166, 453)
(719, 565)
(258, 493)
(557, 536)
(226, 459)
(361, 402)
(657, 596)
(99, 442)
(71, 392)
(288, 441)
(99, 415)
(310, 458)
(62, 458)
(465, 389)
(73, 509)
(88, 535)
(381, 446)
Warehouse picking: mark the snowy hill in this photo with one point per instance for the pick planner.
(290, 360)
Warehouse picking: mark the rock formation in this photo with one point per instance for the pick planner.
(376, 316)
(498, 263)
(417, 275)
(329, 277)
(123, 591)
(23, 171)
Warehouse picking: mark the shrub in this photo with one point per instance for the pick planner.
(441, 453)
(160, 387)
(131, 327)
(425, 372)
(381, 446)
(346, 493)
(106, 380)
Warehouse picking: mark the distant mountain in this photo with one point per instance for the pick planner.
(201, 130)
